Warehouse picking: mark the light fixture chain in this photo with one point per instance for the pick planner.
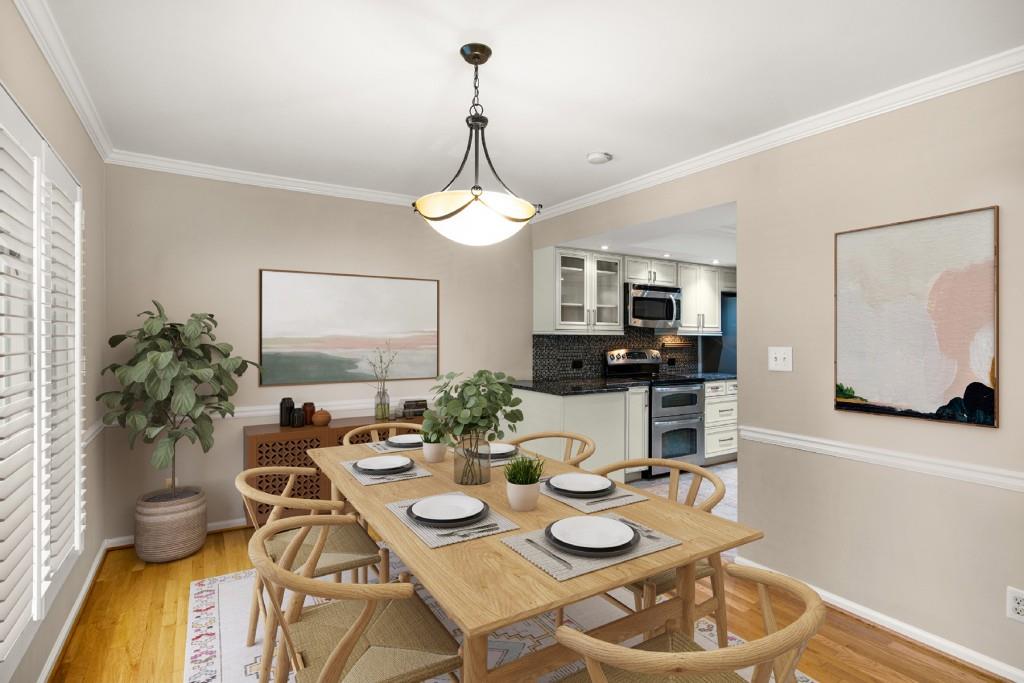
(476, 108)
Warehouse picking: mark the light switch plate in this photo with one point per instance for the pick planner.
(780, 358)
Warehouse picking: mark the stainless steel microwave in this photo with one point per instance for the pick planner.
(653, 306)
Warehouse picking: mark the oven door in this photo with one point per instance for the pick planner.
(651, 306)
(677, 400)
(677, 439)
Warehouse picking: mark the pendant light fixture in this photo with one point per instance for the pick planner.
(476, 217)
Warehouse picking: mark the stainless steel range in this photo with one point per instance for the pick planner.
(677, 406)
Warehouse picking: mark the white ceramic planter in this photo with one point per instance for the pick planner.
(522, 497)
(434, 452)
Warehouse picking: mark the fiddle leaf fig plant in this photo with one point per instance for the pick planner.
(177, 378)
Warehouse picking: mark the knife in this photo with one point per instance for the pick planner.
(547, 552)
(472, 528)
(605, 500)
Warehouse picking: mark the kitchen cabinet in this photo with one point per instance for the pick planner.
(701, 299)
(638, 422)
(600, 416)
(577, 292)
(650, 272)
(721, 435)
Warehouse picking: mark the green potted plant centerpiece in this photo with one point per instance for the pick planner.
(470, 413)
(177, 378)
(522, 477)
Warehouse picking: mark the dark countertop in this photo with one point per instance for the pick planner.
(600, 385)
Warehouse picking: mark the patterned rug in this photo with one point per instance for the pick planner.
(215, 650)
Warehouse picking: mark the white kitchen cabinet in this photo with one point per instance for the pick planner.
(637, 426)
(728, 281)
(701, 299)
(602, 417)
(721, 434)
(577, 292)
(650, 272)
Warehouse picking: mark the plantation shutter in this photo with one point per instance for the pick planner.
(60, 368)
(18, 419)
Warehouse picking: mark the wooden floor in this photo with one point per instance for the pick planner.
(132, 627)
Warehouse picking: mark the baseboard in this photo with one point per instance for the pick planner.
(948, 647)
(127, 541)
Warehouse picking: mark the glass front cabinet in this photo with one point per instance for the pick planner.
(577, 292)
(588, 291)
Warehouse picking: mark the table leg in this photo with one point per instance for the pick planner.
(474, 658)
(686, 584)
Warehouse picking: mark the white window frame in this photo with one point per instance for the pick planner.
(49, 174)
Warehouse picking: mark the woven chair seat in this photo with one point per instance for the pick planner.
(666, 581)
(347, 547)
(403, 643)
(673, 642)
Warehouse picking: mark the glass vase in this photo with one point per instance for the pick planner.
(382, 405)
(472, 460)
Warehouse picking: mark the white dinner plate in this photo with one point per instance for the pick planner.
(383, 462)
(578, 482)
(406, 439)
(499, 450)
(598, 533)
(447, 507)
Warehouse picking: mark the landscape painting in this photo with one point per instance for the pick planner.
(917, 318)
(320, 327)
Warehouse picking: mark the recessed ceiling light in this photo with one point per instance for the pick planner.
(714, 262)
(667, 255)
(604, 247)
(599, 158)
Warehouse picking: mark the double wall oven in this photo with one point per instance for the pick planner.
(676, 405)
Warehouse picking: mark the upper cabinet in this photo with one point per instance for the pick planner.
(650, 272)
(701, 299)
(576, 291)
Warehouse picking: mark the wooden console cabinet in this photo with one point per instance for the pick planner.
(271, 445)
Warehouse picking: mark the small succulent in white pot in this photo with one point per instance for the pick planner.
(522, 477)
(434, 446)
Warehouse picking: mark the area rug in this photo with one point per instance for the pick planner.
(218, 614)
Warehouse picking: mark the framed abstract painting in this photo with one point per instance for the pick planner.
(917, 318)
(318, 328)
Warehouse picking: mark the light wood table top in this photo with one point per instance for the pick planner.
(483, 584)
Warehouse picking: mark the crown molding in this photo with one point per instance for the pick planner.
(996, 477)
(43, 27)
(983, 70)
(232, 175)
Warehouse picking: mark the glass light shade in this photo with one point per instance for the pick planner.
(473, 220)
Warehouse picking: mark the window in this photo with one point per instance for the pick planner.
(42, 510)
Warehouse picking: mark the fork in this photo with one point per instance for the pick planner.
(642, 530)
(472, 529)
(395, 476)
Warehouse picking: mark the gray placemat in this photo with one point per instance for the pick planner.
(437, 538)
(588, 505)
(582, 565)
(370, 479)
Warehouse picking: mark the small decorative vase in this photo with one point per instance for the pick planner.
(321, 418)
(522, 497)
(382, 405)
(434, 452)
(308, 409)
(287, 405)
(298, 418)
(472, 460)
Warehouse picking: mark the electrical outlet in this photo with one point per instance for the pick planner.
(780, 358)
(1014, 603)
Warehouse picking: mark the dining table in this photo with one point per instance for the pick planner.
(483, 585)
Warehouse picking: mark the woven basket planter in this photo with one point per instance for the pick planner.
(167, 530)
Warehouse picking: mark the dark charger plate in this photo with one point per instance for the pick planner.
(403, 446)
(592, 552)
(578, 494)
(391, 470)
(450, 523)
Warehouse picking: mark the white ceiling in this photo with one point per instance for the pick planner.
(373, 94)
(701, 236)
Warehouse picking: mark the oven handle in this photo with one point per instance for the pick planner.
(659, 424)
(679, 387)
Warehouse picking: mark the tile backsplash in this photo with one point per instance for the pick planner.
(555, 354)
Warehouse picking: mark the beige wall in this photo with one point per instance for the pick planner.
(198, 245)
(27, 76)
(933, 552)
